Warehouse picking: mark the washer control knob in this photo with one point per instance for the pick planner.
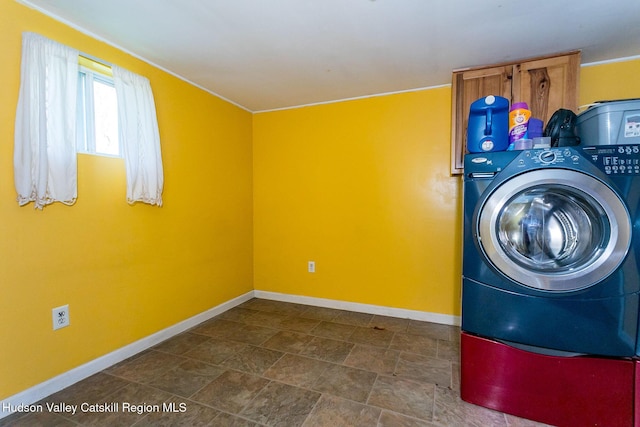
(547, 156)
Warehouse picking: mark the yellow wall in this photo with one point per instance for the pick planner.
(615, 80)
(362, 188)
(125, 271)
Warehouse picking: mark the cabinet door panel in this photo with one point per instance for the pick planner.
(548, 85)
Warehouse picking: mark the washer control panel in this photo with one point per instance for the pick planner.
(549, 156)
(615, 159)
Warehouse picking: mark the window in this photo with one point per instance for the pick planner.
(97, 121)
(45, 159)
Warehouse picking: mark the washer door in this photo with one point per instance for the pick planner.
(554, 229)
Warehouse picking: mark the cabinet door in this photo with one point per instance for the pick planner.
(467, 87)
(547, 84)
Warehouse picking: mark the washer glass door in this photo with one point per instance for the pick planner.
(554, 229)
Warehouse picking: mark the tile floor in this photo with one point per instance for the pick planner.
(268, 363)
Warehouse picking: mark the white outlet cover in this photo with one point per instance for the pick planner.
(60, 317)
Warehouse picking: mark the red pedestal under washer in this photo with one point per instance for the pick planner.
(561, 391)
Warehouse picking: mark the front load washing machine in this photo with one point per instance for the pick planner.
(550, 290)
(550, 248)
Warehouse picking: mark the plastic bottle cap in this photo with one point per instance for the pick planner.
(490, 99)
(535, 127)
(518, 105)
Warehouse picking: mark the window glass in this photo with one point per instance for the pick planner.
(97, 122)
(106, 118)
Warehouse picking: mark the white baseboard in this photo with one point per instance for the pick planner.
(55, 384)
(402, 313)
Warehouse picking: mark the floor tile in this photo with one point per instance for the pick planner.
(392, 419)
(455, 376)
(281, 405)
(327, 349)
(407, 397)
(320, 313)
(336, 331)
(260, 304)
(253, 360)
(394, 324)
(181, 344)
(93, 389)
(44, 419)
(186, 378)
(343, 381)
(297, 370)
(147, 367)
(451, 410)
(238, 314)
(336, 412)
(253, 334)
(133, 402)
(179, 412)
(271, 306)
(424, 368)
(432, 330)
(219, 328)
(449, 350)
(231, 391)
(371, 336)
(267, 319)
(353, 318)
(215, 351)
(228, 420)
(300, 324)
(290, 308)
(415, 344)
(289, 341)
(513, 421)
(375, 359)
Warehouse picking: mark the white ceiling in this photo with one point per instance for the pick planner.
(264, 55)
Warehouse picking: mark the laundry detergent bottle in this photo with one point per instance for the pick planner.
(519, 116)
(488, 126)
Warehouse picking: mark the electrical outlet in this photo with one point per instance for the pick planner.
(311, 266)
(60, 317)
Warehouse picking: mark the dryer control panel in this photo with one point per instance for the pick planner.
(615, 159)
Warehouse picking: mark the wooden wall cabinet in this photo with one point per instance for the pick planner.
(546, 84)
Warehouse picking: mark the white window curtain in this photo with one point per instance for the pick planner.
(139, 137)
(45, 169)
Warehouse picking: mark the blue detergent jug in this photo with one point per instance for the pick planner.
(488, 127)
